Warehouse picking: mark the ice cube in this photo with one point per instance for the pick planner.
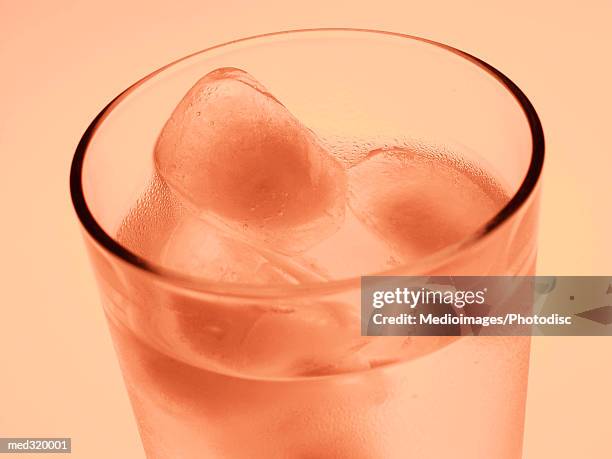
(419, 202)
(303, 338)
(272, 337)
(353, 250)
(251, 338)
(201, 250)
(232, 150)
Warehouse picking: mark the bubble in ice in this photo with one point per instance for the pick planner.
(233, 151)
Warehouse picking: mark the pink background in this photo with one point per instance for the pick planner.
(62, 61)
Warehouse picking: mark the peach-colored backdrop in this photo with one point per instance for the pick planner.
(61, 61)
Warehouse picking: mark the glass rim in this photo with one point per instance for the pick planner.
(183, 280)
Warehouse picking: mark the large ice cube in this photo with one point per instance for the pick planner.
(419, 202)
(232, 150)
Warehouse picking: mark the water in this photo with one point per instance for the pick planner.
(448, 403)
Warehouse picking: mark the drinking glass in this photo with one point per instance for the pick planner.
(197, 390)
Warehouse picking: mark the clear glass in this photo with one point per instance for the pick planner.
(448, 396)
